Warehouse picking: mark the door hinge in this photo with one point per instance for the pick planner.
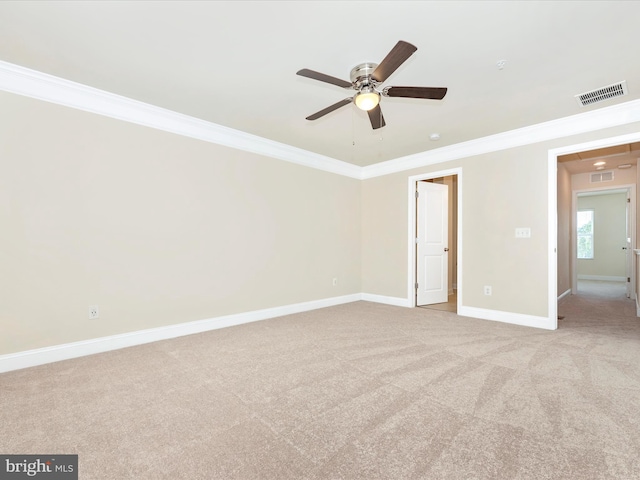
(416, 286)
(417, 194)
(417, 240)
(628, 279)
(628, 200)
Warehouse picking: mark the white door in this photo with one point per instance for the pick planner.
(432, 243)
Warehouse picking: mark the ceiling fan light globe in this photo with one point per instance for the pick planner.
(367, 100)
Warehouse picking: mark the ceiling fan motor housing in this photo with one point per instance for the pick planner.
(361, 75)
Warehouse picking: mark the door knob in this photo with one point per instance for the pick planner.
(446, 249)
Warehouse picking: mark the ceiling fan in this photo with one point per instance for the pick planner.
(366, 80)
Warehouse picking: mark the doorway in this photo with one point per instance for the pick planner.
(599, 306)
(603, 238)
(598, 166)
(436, 275)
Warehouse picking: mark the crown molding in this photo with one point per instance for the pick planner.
(621, 114)
(42, 86)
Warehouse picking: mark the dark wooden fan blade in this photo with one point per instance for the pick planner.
(329, 109)
(432, 93)
(305, 72)
(396, 57)
(375, 115)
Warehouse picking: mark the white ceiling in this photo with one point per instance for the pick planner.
(234, 63)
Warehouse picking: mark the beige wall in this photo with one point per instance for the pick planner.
(497, 197)
(156, 229)
(610, 219)
(500, 191)
(564, 229)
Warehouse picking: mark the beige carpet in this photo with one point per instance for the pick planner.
(359, 391)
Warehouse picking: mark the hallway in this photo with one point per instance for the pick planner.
(600, 307)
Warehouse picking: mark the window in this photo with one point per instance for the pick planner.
(585, 233)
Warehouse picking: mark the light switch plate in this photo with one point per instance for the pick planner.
(523, 232)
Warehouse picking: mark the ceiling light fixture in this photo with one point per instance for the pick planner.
(601, 167)
(367, 99)
(597, 164)
(625, 165)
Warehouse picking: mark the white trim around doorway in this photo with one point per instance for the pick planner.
(552, 189)
(411, 222)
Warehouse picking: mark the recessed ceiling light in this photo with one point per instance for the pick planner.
(597, 164)
(434, 136)
(625, 165)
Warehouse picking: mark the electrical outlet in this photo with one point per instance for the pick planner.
(335, 282)
(487, 290)
(93, 312)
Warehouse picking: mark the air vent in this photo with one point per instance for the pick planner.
(602, 94)
(601, 177)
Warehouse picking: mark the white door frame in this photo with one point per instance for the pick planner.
(632, 230)
(552, 189)
(411, 236)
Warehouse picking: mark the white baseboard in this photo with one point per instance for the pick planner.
(602, 278)
(507, 317)
(56, 353)
(568, 292)
(397, 301)
(40, 356)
